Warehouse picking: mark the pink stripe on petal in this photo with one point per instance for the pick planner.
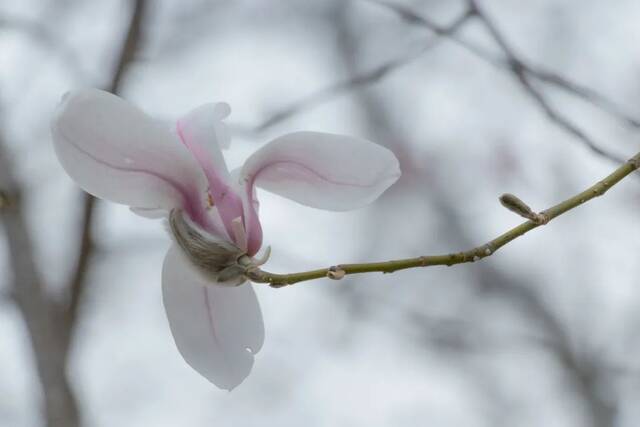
(190, 203)
(324, 171)
(213, 326)
(115, 151)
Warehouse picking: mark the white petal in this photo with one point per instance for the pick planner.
(115, 151)
(322, 170)
(150, 213)
(217, 329)
(205, 133)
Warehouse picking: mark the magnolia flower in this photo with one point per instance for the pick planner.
(116, 152)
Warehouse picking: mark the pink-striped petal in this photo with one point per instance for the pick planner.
(115, 151)
(203, 133)
(217, 329)
(322, 170)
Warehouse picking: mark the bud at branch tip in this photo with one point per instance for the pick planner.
(514, 204)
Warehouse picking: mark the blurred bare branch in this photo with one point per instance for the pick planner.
(51, 324)
(30, 298)
(49, 41)
(518, 68)
(521, 70)
(539, 73)
(130, 47)
(366, 78)
(85, 245)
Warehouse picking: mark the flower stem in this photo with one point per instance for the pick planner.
(600, 188)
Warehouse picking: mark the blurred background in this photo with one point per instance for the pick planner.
(536, 98)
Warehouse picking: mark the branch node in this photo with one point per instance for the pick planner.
(278, 285)
(10, 198)
(335, 273)
(4, 200)
(541, 218)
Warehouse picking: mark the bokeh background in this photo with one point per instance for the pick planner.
(536, 98)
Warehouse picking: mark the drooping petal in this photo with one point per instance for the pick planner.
(115, 151)
(322, 170)
(216, 329)
(203, 133)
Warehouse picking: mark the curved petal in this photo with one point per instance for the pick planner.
(322, 170)
(216, 329)
(203, 133)
(115, 151)
(253, 228)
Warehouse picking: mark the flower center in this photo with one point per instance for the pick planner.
(219, 260)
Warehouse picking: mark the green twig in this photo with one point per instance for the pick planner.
(338, 271)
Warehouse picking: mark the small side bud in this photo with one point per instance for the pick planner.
(514, 204)
(336, 273)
